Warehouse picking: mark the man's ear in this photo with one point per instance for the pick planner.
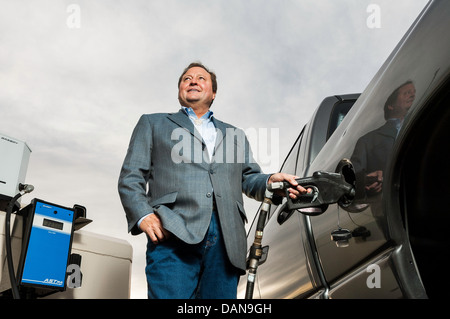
(212, 101)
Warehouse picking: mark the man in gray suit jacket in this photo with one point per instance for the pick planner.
(181, 183)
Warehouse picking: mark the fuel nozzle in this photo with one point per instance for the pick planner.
(327, 188)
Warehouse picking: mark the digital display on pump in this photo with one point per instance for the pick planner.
(52, 224)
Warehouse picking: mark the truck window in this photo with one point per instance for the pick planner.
(289, 165)
(340, 110)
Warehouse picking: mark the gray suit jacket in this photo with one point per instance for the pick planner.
(167, 170)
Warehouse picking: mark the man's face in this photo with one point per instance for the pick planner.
(196, 88)
(405, 99)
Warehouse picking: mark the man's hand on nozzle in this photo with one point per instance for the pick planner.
(294, 191)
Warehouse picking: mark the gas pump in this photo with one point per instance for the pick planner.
(46, 247)
(46, 234)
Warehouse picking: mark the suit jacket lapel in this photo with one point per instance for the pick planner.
(389, 129)
(222, 128)
(181, 119)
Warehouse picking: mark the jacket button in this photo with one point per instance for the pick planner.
(208, 195)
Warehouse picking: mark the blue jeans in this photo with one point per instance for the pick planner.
(176, 270)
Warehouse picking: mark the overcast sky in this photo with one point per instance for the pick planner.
(76, 76)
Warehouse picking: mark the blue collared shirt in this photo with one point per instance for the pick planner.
(205, 126)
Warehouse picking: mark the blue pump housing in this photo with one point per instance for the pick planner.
(46, 246)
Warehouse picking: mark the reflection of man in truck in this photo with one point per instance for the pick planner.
(373, 150)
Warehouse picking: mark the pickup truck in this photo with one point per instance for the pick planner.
(390, 142)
